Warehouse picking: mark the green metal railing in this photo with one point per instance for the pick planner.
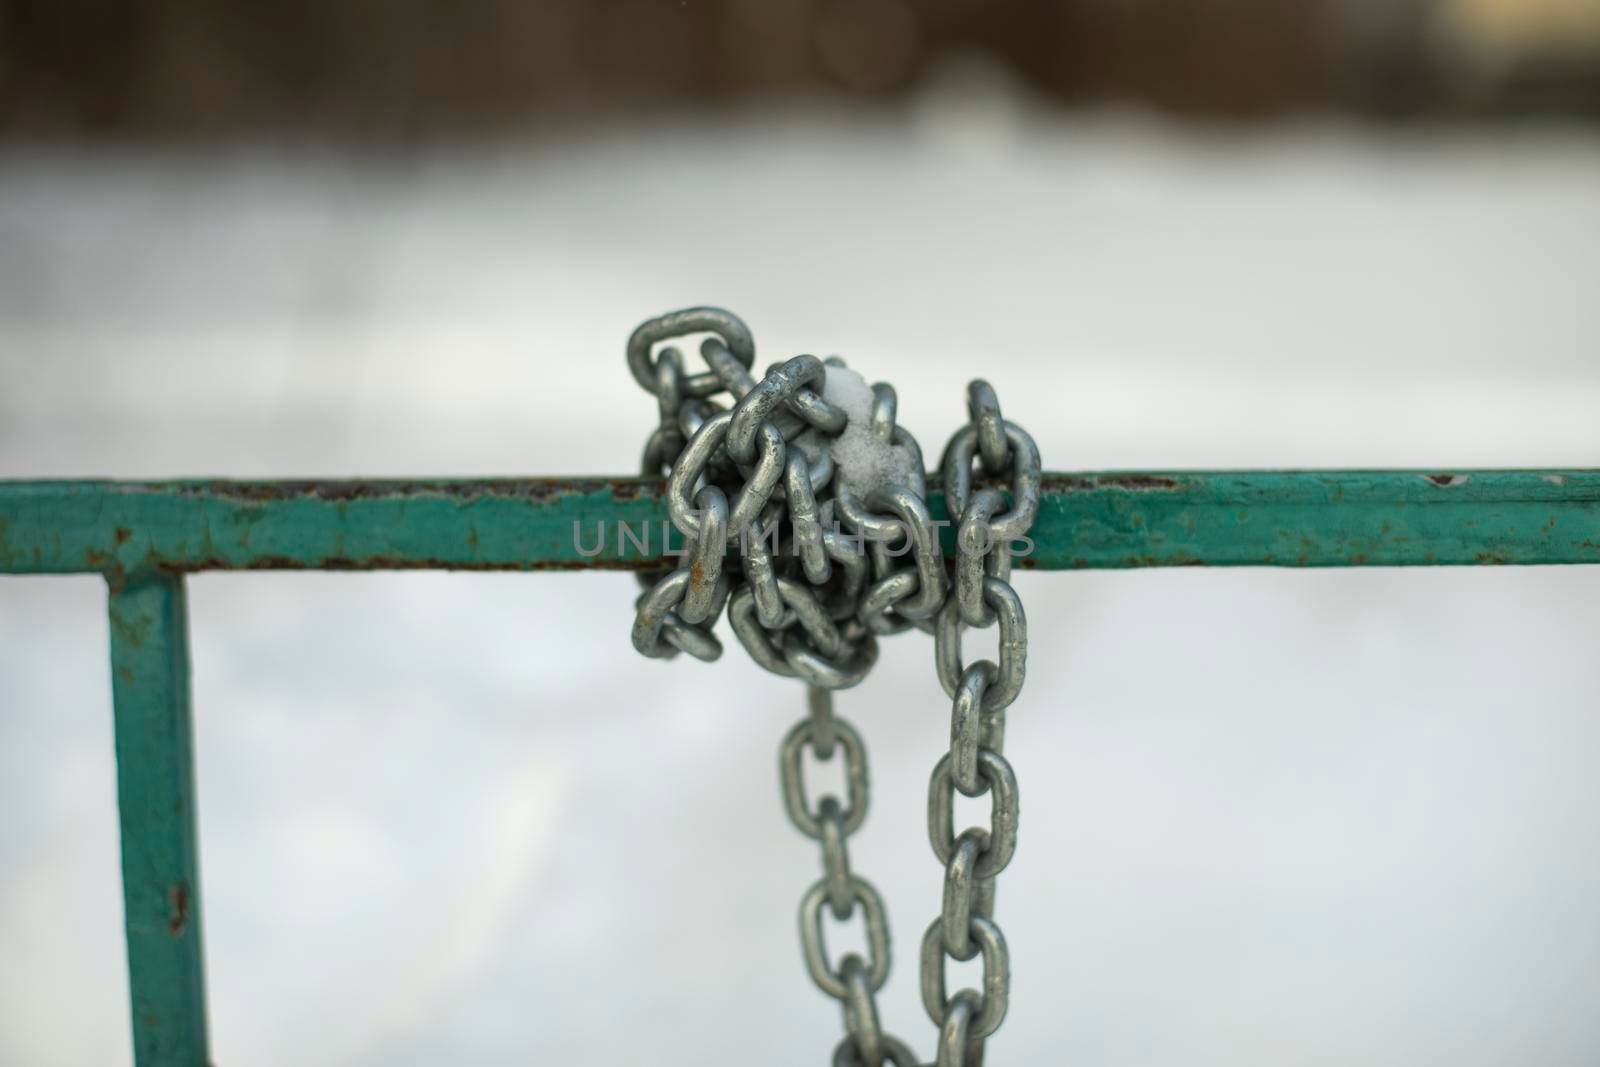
(144, 537)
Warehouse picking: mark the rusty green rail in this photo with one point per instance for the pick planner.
(145, 537)
(1293, 519)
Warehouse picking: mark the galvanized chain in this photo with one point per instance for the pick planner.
(980, 692)
(856, 981)
(809, 474)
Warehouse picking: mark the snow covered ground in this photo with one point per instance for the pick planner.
(1269, 816)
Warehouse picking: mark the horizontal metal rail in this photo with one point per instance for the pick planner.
(144, 537)
(126, 530)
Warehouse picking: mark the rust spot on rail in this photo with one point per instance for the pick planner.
(179, 899)
(1137, 482)
(531, 490)
(1133, 483)
(399, 563)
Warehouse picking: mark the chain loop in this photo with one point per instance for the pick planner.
(669, 398)
(828, 980)
(825, 514)
(894, 1051)
(968, 731)
(655, 619)
(835, 857)
(878, 606)
(996, 975)
(922, 538)
(1026, 475)
(805, 516)
(861, 1010)
(855, 650)
(983, 408)
(961, 894)
(762, 577)
(705, 552)
(676, 324)
(691, 465)
(1013, 644)
(855, 777)
(956, 1047)
(785, 383)
(1002, 818)
(885, 408)
(978, 556)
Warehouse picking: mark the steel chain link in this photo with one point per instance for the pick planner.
(827, 561)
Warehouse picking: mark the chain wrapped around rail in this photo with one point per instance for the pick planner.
(810, 476)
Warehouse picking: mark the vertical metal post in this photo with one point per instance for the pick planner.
(155, 799)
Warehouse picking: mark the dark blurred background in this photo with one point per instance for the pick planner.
(396, 68)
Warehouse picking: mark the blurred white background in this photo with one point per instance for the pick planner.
(1322, 817)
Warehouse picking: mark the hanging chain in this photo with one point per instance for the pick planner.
(980, 693)
(856, 981)
(824, 495)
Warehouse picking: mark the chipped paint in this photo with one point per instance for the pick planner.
(179, 899)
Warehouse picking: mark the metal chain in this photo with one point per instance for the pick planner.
(826, 502)
(856, 981)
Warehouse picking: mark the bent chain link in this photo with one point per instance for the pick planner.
(819, 573)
